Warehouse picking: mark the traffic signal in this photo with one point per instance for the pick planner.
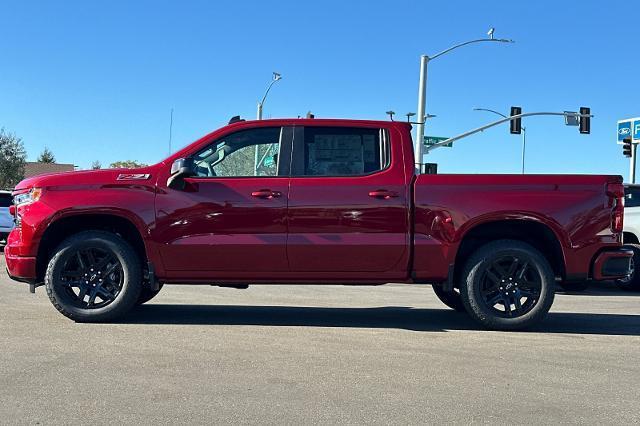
(585, 122)
(516, 124)
(626, 147)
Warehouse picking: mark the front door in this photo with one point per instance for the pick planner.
(348, 204)
(230, 219)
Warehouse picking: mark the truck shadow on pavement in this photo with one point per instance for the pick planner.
(405, 318)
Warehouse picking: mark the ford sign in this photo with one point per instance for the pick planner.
(624, 129)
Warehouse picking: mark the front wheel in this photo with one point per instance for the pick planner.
(94, 276)
(507, 285)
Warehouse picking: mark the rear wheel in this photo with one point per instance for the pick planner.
(450, 298)
(632, 281)
(507, 285)
(94, 276)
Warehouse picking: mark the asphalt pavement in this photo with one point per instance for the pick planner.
(317, 354)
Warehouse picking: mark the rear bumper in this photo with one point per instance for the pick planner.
(612, 264)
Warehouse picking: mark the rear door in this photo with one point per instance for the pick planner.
(348, 204)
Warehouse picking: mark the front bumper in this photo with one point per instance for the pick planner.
(612, 264)
(19, 267)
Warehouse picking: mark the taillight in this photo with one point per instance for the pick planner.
(615, 191)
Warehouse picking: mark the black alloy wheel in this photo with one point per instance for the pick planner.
(92, 278)
(507, 285)
(510, 286)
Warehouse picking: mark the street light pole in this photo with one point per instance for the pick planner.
(276, 77)
(257, 160)
(422, 93)
(524, 131)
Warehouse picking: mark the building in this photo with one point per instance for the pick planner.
(34, 169)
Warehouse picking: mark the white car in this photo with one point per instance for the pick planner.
(631, 236)
(6, 220)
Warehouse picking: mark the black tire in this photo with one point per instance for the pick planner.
(98, 266)
(147, 294)
(576, 286)
(632, 281)
(450, 298)
(490, 280)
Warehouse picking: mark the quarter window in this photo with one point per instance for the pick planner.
(344, 151)
(253, 152)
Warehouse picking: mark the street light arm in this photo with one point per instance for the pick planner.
(267, 92)
(499, 40)
(490, 110)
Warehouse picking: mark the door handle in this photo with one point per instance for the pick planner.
(266, 194)
(383, 194)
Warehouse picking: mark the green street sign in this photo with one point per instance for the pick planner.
(432, 140)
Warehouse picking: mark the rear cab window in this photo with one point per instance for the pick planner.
(341, 151)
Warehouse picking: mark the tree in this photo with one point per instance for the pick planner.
(96, 165)
(46, 156)
(12, 159)
(126, 164)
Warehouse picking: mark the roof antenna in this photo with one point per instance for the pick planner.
(310, 115)
(390, 114)
(409, 115)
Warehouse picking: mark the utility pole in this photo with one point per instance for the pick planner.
(422, 93)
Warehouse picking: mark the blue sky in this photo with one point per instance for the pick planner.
(97, 80)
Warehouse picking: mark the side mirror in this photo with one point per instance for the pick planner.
(180, 169)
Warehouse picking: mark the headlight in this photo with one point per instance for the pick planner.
(28, 197)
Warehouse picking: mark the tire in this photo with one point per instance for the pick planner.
(574, 286)
(490, 281)
(94, 276)
(450, 298)
(632, 281)
(146, 294)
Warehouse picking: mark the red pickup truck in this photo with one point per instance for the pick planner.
(314, 202)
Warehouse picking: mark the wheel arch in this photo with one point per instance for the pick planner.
(64, 226)
(537, 234)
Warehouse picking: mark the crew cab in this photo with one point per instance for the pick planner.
(314, 201)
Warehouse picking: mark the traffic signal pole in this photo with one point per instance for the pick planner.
(632, 162)
(504, 120)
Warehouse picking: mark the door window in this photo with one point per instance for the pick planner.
(343, 151)
(253, 152)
